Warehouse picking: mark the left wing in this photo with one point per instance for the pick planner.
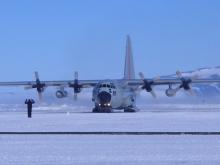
(182, 82)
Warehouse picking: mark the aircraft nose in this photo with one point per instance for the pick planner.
(104, 97)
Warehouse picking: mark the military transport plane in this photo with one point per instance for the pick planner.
(115, 93)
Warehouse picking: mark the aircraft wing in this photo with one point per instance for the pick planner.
(63, 83)
(41, 85)
(181, 82)
(92, 83)
(172, 81)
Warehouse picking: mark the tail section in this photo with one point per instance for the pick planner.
(129, 72)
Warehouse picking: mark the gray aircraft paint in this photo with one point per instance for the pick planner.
(129, 71)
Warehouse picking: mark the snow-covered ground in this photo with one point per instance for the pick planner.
(111, 149)
(148, 120)
(93, 150)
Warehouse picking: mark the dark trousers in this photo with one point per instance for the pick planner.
(29, 107)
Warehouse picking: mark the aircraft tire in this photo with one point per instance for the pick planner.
(95, 110)
(129, 110)
(101, 110)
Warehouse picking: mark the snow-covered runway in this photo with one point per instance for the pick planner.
(110, 149)
(184, 121)
(60, 150)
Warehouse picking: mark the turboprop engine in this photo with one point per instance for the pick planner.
(171, 92)
(61, 94)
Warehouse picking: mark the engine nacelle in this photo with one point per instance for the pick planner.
(61, 94)
(170, 92)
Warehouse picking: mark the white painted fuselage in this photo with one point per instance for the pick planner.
(113, 95)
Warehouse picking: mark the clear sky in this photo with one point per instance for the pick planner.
(58, 37)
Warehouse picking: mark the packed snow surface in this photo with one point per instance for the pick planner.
(128, 150)
(111, 149)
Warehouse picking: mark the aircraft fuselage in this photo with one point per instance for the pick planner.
(108, 95)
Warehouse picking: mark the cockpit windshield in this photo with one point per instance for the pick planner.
(111, 85)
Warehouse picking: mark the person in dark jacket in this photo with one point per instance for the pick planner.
(29, 103)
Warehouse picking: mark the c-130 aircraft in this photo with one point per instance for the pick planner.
(118, 94)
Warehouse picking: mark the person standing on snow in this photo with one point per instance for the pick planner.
(29, 103)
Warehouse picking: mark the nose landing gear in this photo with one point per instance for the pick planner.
(98, 109)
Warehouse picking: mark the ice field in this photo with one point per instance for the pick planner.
(111, 149)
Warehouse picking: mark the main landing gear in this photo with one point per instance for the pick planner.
(109, 110)
(130, 109)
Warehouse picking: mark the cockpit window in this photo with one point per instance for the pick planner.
(112, 86)
(106, 86)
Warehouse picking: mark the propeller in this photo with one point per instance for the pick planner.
(148, 84)
(185, 83)
(76, 86)
(39, 86)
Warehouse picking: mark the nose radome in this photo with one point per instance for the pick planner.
(104, 97)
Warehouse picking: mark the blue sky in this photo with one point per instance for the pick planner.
(58, 37)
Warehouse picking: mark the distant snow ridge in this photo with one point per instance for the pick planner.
(210, 90)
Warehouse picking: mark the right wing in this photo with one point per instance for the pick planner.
(180, 81)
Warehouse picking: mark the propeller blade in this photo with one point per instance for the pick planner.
(38, 86)
(177, 89)
(185, 83)
(153, 94)
(76, 75)
(76, 86)
(148, 84)
(36, 75)
(141, 75)
(40, 96)
(75, 96)
(192, 92)
(179, 74)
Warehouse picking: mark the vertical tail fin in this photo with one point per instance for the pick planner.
(129, 72)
